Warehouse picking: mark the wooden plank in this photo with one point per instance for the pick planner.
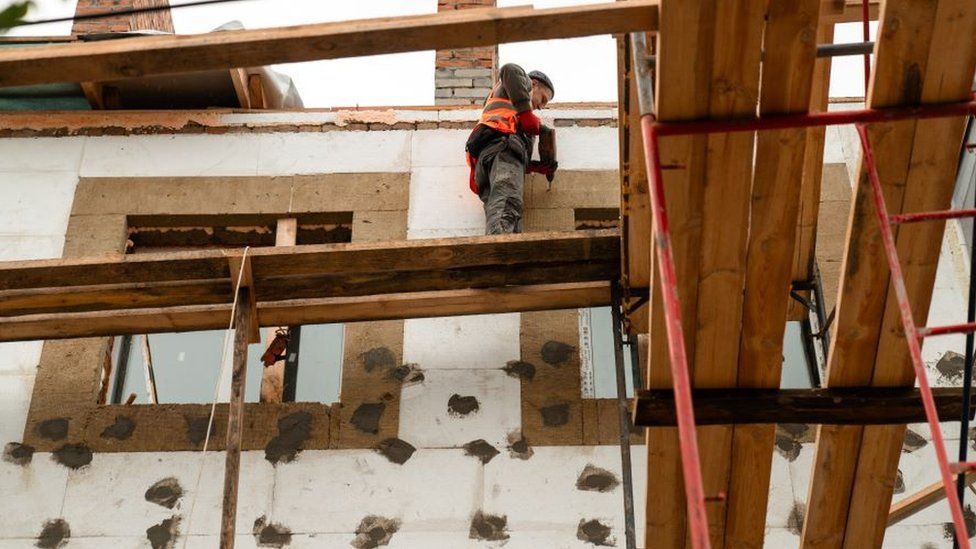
(235, 418)
(311, 311)
(806, 237)
(273, 376)
(843, 406)
(255, 87)
(787, 74)
(921, 500)
(923, 55)
(322, 259)
(847, 11)
(134, 57)
(238, 78)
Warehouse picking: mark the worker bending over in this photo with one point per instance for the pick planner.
(500, 146)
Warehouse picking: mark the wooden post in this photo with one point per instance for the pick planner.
(273, 378)
(235, 417)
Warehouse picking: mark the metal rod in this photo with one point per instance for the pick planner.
(642, 65)
(637, 379)
(121, 368)
(846, 49)
(810, 120)
(967, 380)
(866, 33)
(932, 216)
(623, 413)
(911, 334)
(948, 329)
(687, 436)
(235, 418)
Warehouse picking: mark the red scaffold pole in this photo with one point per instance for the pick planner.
(914, 341)
(687, 437)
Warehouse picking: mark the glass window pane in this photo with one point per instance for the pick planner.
(796, 367)
(320, 363)
(597, 354)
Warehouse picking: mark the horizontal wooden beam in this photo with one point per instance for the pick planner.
(135, 57)
(921, 500)
(310, 311)
(307, 272)
(838, 406)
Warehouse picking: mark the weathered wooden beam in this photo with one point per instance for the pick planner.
(921, 500)
(273, 376)
(134, 57)
(311, 311)
(235, 418)
(847, 406)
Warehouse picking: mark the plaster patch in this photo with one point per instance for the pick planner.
(969, 517)
(374, 531)
(595, 532)
(488, 527)
(164, 534)
(481, 450)
(408, 374)
(596, 479)
(366, 418)
(196, 429)
(556, 353)
(17, 453)
(460, 406)
(53, 429)
(518, 447)
(520, 369)
(378, 358)
(899, 483)
(555, 415)
(913, 442)
(951, 366)
(54, 534)
(270, 534)
(293, 431)
(165, 492)
(121, 429)
(795, 521)
(396, 450)
(73, 456)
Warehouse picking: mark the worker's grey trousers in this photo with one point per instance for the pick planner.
(500, 175)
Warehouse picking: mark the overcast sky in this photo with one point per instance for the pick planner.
(582, 69)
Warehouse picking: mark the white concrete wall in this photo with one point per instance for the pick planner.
(322, 496)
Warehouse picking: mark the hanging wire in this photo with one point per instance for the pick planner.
(129, 11)
(213, 404)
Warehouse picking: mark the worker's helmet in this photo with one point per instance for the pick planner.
(543, 79)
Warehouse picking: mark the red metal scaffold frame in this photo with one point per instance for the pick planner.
(651, 130)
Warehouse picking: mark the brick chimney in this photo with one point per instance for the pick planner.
(152, 20)
(464, 77)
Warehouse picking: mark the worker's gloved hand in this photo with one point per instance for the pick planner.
(529, 122)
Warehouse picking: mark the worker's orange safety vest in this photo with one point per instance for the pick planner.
(500, 114)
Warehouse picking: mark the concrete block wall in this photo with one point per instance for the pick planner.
(464, 76)
(333, 498)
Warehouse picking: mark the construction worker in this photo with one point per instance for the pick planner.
(500, 146)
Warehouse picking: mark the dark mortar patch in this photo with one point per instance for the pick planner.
(55, 533)
(293, 430)
(121, 429)
(165, 492)
(374, 531)
(518, 447)
(800, 432)
(73, 456)
(366, 418)
(481, 450)
(407, 374)
(787, 446)
(270, 534)
(164, 534)
(196, 429)
(17, 453)
(460, 406)
(794, 523)
(555, 415)
(556, 353)
(595, 479)
(396, 450)
(488, 527)
(595, 532)
(913, 441)
(951, 366)
(378, 358)
(899, 483)
(520, 369)
(53, 429)
(969, 517)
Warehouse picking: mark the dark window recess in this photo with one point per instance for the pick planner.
(185, 365)
(597, 218)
